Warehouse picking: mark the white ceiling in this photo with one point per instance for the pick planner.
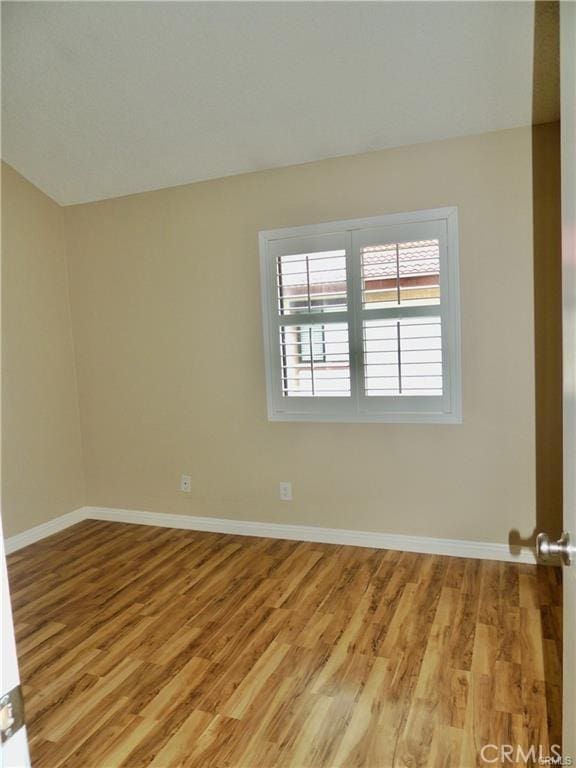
(109, 98)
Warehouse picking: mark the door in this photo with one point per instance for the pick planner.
(568, 165)
(14, 749)
(565, 547)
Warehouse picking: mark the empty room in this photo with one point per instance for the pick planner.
(288, 384)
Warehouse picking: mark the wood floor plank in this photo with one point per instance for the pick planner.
(182, 744)
(144, 646)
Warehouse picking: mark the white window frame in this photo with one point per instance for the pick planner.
(351, 235)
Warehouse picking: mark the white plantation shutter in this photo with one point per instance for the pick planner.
(312, 298)
(308, 322)
(361, 319)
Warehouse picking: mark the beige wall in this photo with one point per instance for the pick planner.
(42, 474)
(166, 309)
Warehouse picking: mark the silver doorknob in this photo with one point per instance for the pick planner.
(546, 549)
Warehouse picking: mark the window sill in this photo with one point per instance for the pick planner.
(369, 418)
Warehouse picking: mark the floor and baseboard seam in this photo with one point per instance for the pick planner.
(423, 544)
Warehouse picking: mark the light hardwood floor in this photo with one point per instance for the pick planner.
(144, 646)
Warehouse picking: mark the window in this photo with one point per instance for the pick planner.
(361, 319)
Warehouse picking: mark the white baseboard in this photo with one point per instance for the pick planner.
(32, 535)
(423, 544)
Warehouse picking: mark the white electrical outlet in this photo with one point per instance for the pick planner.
(186, 483)
(285, 491)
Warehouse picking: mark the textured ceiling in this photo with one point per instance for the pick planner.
(106, 99)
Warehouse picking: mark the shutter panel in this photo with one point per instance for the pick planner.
(314, 353)
(402, 354)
